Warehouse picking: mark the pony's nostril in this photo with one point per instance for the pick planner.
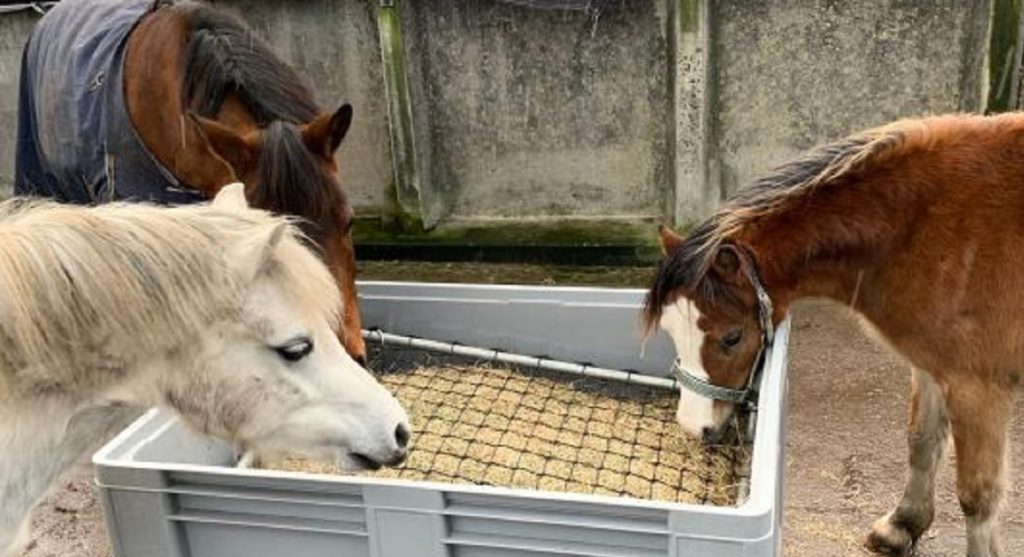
(707, 434)
(402, 436)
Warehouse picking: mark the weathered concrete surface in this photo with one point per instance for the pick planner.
(692, 194)
(792, 74)
(535, 113)
(14, 30)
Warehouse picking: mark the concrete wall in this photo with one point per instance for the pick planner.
(649, 110)
(533, 113)
(14, 30)
(791, 75)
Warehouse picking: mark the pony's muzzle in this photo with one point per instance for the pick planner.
(393, 456)
(401, 451)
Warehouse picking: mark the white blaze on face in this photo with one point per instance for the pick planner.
(679, 320)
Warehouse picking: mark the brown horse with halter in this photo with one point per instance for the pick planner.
(169, 101)
(919, 227)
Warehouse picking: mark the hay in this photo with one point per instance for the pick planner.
(526, 429)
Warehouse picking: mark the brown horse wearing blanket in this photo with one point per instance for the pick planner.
(919, 227)
(157, 100)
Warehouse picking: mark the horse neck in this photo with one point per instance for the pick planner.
(834, 240)
(43, 439)
(44, 435)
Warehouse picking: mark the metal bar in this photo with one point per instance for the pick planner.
(492, 355)
(38, 7)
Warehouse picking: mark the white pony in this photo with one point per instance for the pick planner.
(215, 311)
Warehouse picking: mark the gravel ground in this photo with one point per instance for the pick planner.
(846, 455)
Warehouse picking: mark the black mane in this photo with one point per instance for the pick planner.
(688, 267)
(292, 182)
(223, 56)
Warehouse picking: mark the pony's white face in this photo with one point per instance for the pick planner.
(309, 397)
(698, 416)
(276, 380)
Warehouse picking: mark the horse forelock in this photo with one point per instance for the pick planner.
(291, 181)
(79, 285)
(685, 271)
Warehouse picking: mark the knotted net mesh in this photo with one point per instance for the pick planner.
(485, 424)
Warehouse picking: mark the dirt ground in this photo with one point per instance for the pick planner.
(846, 455)
(846, 449)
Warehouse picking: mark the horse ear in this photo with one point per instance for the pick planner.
(238, 150)
(670, 241)
(324, 134)
(257, 252)
(727, 263)
(231, 198)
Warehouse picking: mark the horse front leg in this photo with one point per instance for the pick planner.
(898, 531)
(979, 412)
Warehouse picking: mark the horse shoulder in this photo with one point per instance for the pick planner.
(153, 73)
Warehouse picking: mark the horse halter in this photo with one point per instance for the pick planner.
(747, 396)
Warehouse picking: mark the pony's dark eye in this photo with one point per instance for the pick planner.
(295, 349)
(731, 339)
(347, 225)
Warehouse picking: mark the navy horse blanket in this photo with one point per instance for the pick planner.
(76, 142)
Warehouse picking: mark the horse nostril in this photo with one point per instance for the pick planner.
(707, 434)
(402, 436)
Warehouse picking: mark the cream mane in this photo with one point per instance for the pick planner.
(84, 289)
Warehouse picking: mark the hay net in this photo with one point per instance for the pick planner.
(525, 428)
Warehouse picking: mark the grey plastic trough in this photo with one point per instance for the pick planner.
(170, 493)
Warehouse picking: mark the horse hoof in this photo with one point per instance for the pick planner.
(887, 538)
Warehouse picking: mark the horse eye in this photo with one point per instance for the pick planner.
(348, 224)
(731, 339)
(295, 350)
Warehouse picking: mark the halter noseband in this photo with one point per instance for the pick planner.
(747, 395)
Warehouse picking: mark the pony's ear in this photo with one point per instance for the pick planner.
(324, 134)
(239, 151)
(670, 241)
(231, 198)
(256, 252)
(727, 263)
